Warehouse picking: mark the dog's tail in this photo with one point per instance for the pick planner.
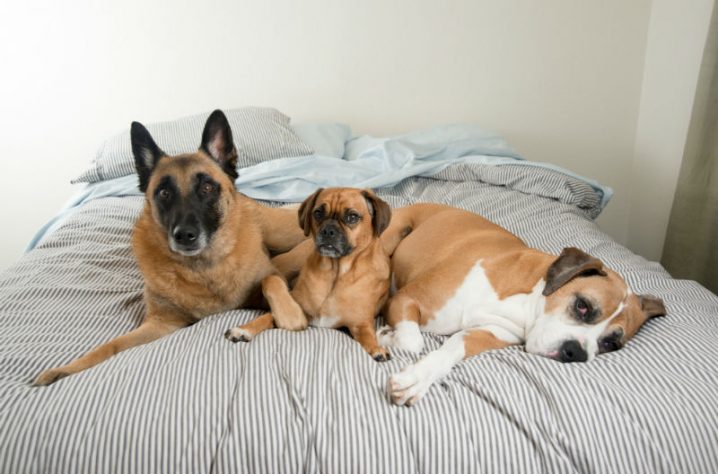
(406, 219)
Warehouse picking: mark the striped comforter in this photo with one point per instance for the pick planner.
(314, 401)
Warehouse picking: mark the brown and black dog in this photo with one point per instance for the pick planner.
(345, 275)
(201, 246)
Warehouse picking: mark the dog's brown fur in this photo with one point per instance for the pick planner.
(179, 290)
(347, 291)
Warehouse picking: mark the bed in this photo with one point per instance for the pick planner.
(314, 401)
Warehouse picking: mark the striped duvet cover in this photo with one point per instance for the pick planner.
(314, 401)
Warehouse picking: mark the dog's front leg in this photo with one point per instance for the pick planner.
(152, 328)
(365, 335)
(412, 383)
(247, 332)
(286, 311)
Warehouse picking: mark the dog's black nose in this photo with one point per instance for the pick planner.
(571, 351)
(329, 231)
(185, 235)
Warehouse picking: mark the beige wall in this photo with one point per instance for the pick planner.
(675, 44)
(560, 78)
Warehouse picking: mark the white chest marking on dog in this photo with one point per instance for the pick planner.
(477, 305)
(324, 322)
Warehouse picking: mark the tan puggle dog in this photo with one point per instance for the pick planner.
(345, 281)
(459, 274)
(202, 247)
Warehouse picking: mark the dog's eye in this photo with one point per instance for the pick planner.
(582, 307)
(163, 194)
(319, 214)
(208, 188)
(351, 218)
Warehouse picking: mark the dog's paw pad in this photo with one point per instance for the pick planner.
(381, 355)
(237, 335)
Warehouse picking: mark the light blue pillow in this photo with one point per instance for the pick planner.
(436, 143)
(327, 139)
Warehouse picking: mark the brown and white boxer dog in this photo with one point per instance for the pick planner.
(459, 274)
(345, 273)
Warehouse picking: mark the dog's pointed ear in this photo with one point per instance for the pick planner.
(305, 211)
(380, 212)
(652, 306)
(145, 151)
(570, 264)
(217, 142)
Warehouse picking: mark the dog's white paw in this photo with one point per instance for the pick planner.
(410, 385)
(385, 336)
(238, 334)
(407, 336)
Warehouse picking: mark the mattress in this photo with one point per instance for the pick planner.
(314, 401)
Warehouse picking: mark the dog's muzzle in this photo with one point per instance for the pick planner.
(331, 241)
(572, 351)
(187, 240)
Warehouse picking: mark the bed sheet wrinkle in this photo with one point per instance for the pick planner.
(472, 444)
(620, 401)
(128, 387)
(297, 405)
(482, 390)
(542, 411)
(229, 420)
(192, 388)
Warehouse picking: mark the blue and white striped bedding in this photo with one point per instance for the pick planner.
(314, 401)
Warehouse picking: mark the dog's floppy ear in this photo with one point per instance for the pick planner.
(217, 142)
(145, 151)
(570, 264)
(305, 211)
(652, 306)
(380, 212)
(640, 308)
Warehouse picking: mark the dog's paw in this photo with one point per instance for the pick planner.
(295, 324)
(385, 336)
(50, 376)
(409, 386)
(407, 336)
(381, 355)
(238, 335)
(294, 321)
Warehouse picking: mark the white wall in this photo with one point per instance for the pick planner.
(560, 78)
(676, 41)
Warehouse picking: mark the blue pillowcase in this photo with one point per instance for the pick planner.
(327, 139)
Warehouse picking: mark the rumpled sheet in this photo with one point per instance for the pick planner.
(314, 401)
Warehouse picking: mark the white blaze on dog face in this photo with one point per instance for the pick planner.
(588, 309)
(575, 317)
